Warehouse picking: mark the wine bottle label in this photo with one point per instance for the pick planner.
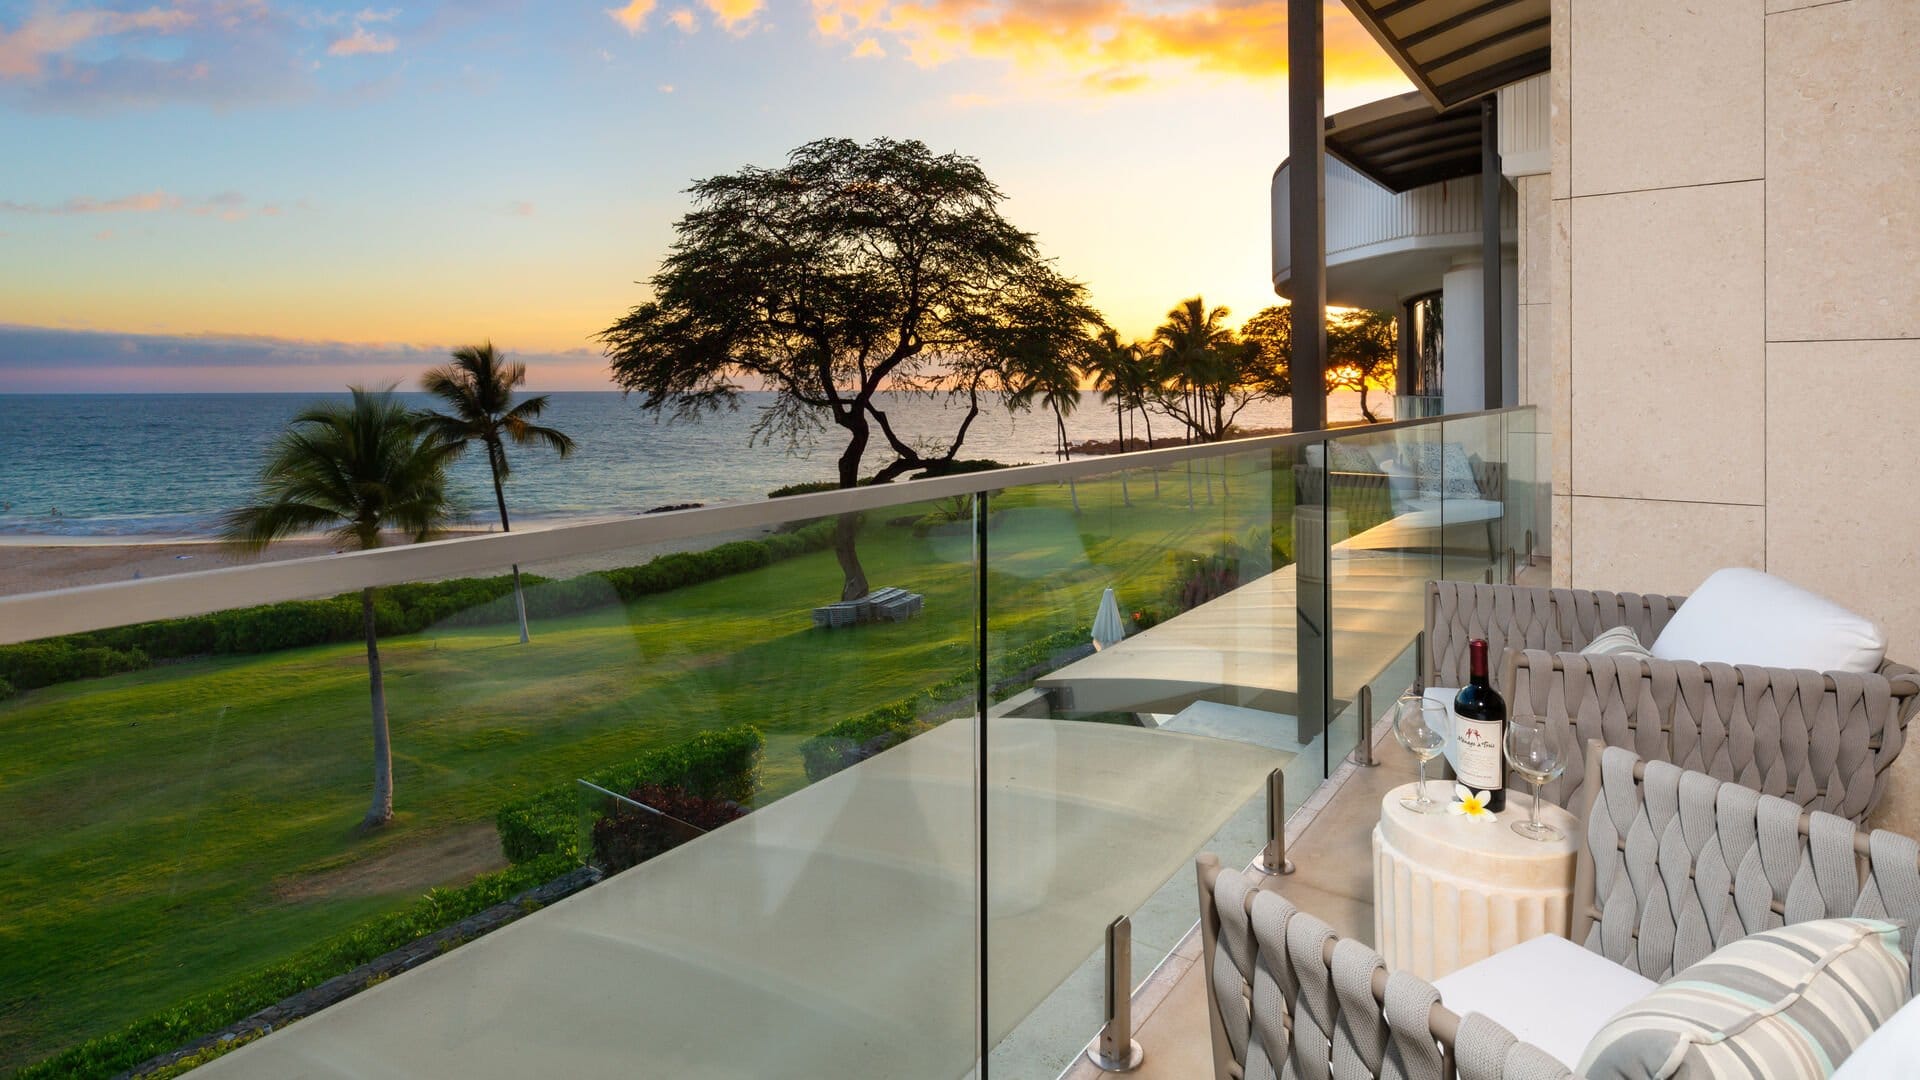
(1481, 764)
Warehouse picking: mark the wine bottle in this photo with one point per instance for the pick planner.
(1480, 729)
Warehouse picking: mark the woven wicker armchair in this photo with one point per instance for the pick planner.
(1673, 864)
(1676, 863)
(1287, 997)
(1822, 739)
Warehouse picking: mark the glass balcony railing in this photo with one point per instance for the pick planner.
(710, 819)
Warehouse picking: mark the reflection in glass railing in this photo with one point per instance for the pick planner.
(817, 846)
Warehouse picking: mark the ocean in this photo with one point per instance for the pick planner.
(151, 466)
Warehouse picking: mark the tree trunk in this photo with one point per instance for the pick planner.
(1120, 429)
(1066, 454)
(381, 811)
(1148, 417)
(846, 530)
(1366, 413)
(500, 500)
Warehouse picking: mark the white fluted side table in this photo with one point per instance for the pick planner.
(1448, 891)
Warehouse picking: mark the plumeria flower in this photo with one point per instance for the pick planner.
(1471, 804)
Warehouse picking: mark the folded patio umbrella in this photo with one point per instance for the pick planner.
(1108, 629)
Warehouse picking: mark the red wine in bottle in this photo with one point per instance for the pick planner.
(1480, 731)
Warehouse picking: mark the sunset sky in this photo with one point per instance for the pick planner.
(255, 195)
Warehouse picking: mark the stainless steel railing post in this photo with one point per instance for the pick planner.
(1115, 1050)
(1362, 754)
(1273, 857)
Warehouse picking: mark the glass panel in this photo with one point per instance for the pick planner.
(1387, 537)
(185, 836)
(1472, 475)
(1530, 513)
(1146, 618)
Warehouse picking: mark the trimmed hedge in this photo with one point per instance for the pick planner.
(42, 663)
(860, 737)
(398, 609)
(6, 690)
(114, 1053)
(712, 765)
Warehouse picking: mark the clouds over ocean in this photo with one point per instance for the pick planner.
(41, 359)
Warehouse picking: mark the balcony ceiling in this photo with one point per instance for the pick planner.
(1401, 143)
(1459, 50)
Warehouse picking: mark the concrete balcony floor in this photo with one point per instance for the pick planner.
(1330, 843)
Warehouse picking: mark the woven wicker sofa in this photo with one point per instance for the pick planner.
(1821, 739)
(1375, 497)
(1673, 864)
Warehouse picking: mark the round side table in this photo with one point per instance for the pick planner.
(1448, 891)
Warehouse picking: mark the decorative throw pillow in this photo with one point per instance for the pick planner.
(1791, 1002)
(1345, 456)
(1618, 641)
(1742, 616)
(1444, 470)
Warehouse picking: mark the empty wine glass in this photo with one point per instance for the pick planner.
(1420, 723)
(1533, 751)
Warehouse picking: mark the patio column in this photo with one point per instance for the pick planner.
(1307, 209)
(1492, 318)
(1307, 221)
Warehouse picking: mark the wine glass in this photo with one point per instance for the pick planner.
(1420, 723)
(1534, 751)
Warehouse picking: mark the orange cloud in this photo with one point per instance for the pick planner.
(225, 205)
(1105, 46)
(362, 42)
(683, 20)
(735, 15)
(50, 31)
(868, 47)
(633, 16)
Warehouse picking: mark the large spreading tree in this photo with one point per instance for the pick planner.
(854, 268)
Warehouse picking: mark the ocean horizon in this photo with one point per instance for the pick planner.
(155, 466)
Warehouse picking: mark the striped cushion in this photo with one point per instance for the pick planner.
(1785, 1003)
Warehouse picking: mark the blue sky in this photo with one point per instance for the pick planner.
(246, 194)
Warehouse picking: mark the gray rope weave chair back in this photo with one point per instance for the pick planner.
(1287, 999)
(1823, 740)
(1522, 617)
(1677, 863)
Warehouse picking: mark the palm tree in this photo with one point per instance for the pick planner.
(1044, 375)
(1191, 345)
(1116, 374)
(478, 387)
(357, 470)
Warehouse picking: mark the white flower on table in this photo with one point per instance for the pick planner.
(1471, 804)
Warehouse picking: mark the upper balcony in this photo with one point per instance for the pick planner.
(1403, 193)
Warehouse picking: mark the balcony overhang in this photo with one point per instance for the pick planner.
(1455, 51)
(1402, 143)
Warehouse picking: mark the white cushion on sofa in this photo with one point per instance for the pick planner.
(1741, 616)
(1547, 991)
(1892, 1050)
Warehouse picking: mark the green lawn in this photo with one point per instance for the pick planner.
(164, 831)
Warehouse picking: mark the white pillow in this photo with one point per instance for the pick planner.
(1741, 616)
(1618, 641)
(1890, 1051)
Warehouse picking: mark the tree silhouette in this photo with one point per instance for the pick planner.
(1363, 346)
(478, 388)
(357, 470)
(1211, 375)
(851, 269)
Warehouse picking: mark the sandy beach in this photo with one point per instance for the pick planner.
(40, 563)
(37, 563)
